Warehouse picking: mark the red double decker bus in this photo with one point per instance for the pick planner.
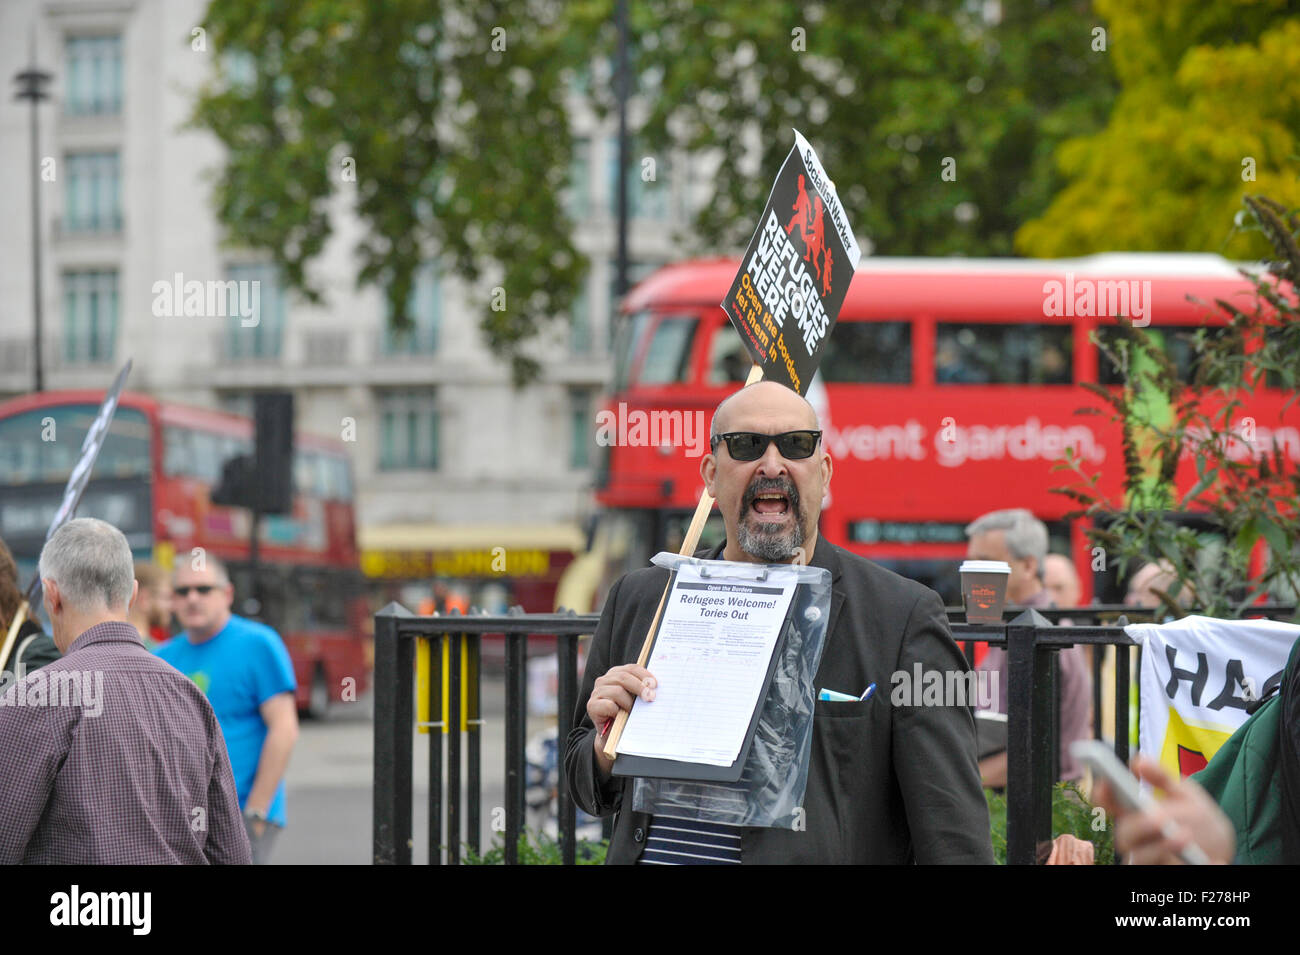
(948, 388)
(153, 480)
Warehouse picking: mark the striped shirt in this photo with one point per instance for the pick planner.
(676, 841)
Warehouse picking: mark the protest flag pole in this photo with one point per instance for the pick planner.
(77, 481)
(687, 549)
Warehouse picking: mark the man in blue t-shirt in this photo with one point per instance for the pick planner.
(245, 670)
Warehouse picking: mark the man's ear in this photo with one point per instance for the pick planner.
(135, 593)
(827, 468)
(708, 471)
(51, 597)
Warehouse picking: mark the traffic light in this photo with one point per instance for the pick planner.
(264, 479)
(273, 412)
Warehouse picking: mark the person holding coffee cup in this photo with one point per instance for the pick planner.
(1019, 539)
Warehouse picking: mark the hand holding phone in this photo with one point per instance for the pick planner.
(1201, 818)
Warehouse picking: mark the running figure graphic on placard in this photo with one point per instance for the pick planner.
(803, 214)
(807, 219)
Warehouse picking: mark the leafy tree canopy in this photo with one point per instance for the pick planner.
(452, 115)
(1208, 112)
(886, 91)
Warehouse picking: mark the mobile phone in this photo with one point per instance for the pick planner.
(1102, 760)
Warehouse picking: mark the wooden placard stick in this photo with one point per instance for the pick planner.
(687, 549)
(12, 636)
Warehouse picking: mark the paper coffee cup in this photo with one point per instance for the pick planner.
(984, 589)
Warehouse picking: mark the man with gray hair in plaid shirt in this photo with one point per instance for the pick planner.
(109, 755)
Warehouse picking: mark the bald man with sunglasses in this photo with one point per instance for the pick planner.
(886, 783)
(244, 669)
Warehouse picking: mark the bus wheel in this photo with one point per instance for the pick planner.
(318, 702)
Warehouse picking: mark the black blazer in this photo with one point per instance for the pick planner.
(886, 783)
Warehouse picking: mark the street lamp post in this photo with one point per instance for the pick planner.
(31, 86)
(622, 86)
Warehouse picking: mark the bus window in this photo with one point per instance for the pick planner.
(304, 472)
(869, 353)
(1286, 378)
(231, 446)
(43, 446)
(667, 360)
(325, 486)
(323, 594)
(342, 477)
(274, 603)
(1002, 354)
(729, 361)
(176, 451)
(194, 453)
(337, 480)
(207, 460)
(631, 329)
(938, 574)
(1176, 343)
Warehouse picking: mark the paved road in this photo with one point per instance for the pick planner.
(329, 783)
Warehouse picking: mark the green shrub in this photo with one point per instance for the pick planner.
(1072, 814)
(538, 849)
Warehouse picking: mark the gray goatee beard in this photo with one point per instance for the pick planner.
(772, 548)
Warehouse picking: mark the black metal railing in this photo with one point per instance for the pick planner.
(1031, 641)
(1033, 718)
(396, 632)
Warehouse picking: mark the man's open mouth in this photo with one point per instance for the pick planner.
(770, 501)
(771, 504)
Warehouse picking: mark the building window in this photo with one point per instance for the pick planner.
(580, 322)
(578, 198)
(93, 192)
(408, 430)
(424, 308)
(93, 85)
(89, 316)
(240, 69)
(581, 429)
(647, 182)
(255, 307)
(580, 81)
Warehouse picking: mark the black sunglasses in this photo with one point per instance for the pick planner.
(203, 589)
(748, 446)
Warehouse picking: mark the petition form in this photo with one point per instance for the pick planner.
(710, 660)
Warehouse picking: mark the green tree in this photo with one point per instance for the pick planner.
(1208, 112)
(886, 91)
(1205, 434)
(449, 118)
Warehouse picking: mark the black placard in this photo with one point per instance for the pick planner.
(795, 273)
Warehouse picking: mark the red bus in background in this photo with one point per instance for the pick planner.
(948, 388)
(153, 481)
